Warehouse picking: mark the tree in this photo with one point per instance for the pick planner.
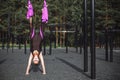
(60, 11)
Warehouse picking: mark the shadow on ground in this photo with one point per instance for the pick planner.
(73, 66)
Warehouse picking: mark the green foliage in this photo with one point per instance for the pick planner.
(107, 13)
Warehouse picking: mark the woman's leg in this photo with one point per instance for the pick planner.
(30, 22)
(42, 62)
(29, 64)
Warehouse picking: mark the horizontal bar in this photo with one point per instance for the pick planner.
(62, 31)
(112, 30)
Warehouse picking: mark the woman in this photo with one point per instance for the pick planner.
(36, 56)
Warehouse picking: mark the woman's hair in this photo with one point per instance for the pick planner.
(35, 54)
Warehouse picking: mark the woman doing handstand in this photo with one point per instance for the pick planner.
(36, 56)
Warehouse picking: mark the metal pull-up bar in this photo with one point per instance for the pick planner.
(62, 31)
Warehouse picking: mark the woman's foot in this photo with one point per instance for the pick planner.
(26, 73)
(44, 73)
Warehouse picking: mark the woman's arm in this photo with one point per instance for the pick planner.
(29, 64)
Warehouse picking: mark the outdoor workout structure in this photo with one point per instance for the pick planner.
(84, 39)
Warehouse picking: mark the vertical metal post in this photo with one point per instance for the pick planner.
(76, 38)
(19, 39)
(3, 40)
(106, 44)
(8, 32)
(93, 55)
(44, 40)
(66, 39)
(25, 45)
(50, 41)
(85, 38)
(12, 42)
(81, 44)
(66, 42)
(111, 46)
(80, 38)
(55, 42)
